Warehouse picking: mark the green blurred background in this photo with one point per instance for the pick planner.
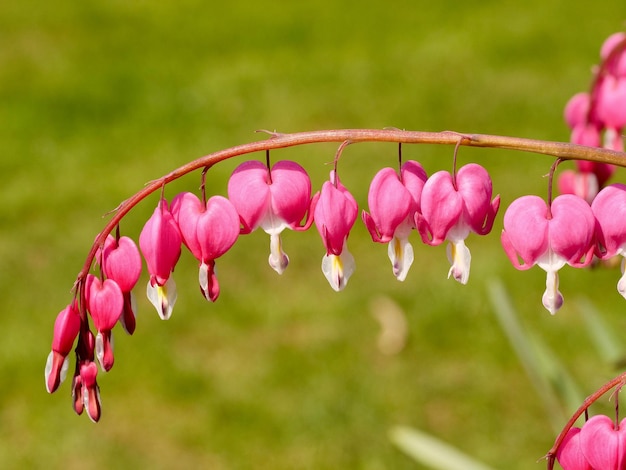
(99, 97)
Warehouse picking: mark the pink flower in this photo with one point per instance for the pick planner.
(582, 184)
(609, 209)
(105, 303)
(160, 243)
(85, 391)
(393, 201)
(577, 110)
(549, 237)
(122, 262)
(603, 443)
(66, 328)
(611, 98)
(618, 64)
(208, 231)
(570, 454)
(452, 208)
(273, 200)
(335, 213)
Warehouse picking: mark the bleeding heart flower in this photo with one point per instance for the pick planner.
(609, 209)
(160, 243)
(208, 230)
(549, 237)
(105, 303)
(66, 328)
(121, 262)
(85, 391)
(603, 443)
(335, 213)
(452, 208)
(393, 201)
(274, 200)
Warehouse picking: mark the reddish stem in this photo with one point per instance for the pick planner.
(565, 151)
(591, 399)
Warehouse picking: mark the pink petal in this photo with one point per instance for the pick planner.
(291, 192)
(526, 230)
(474, 186)
(66, 328)
(577, 109)
(389, 203)
(611, 99)
(160, 243)
(104, 302)
(609, 209)
(186, 209)
(249, 192)
(586, 134)
(414, 178)
(442, 207)
(122, 262)
(584, 185)
(603, 446)
(569, 453)
(571, 230)
(335, 213)
(217, 228)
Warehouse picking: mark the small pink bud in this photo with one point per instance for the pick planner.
(66, 329)
(90, 392)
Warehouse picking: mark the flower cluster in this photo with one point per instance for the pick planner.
(597, 119)
(599, 445)
(443, 207)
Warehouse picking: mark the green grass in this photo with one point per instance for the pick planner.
(99, 97)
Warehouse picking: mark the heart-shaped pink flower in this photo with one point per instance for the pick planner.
(549, 237)
(393, 201)
(208, 231)
(603, 443)
(104, 302)
(274, 200)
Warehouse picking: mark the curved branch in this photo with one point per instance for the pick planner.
(565, 151)
(590, 400)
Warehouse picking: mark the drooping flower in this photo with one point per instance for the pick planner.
(160, 243)
(66, 328)
(452, 208)
(393, 201)
(549, 237)
(570, 455)
(603, 443)
(121, 262)
(274, 200)
(609, 209)
(105, 303)
(335, 212)
(85, 391)
(208, 230)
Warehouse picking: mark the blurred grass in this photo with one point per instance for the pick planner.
(99, 97)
